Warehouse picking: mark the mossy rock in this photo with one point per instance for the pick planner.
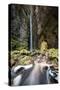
(43, 47)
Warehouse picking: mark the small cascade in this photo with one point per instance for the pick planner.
(33, 78)
(47, 74)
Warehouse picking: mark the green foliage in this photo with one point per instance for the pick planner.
(24, 51)
(53, 53)
(26, 60)
(14, 44)
(23, 56)
(15, 52)
(35, 52)
(23, 45)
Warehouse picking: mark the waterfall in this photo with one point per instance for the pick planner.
(31, 29)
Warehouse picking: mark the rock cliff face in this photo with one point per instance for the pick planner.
(44, 26)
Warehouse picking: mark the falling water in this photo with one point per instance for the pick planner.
(48, 80)
(33, 78)
(17, 80)
(31, 29)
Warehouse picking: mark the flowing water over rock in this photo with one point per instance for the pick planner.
(34, 74)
